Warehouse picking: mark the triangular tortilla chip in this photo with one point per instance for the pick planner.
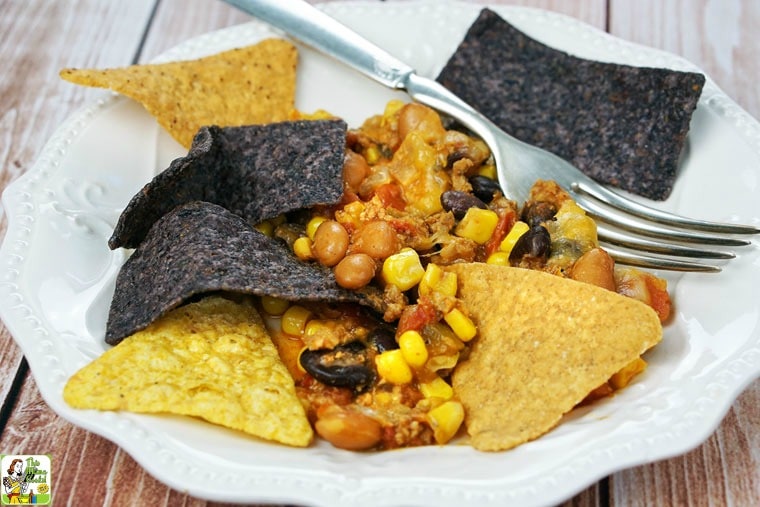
(212, 359)
(544, 343)
(250, 85)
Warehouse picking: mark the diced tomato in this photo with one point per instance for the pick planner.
(659, 299)
(503, 226)
(391, 196)
(403, 226)
(415, 317)
(645, 287)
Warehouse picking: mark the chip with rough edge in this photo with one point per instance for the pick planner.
(211, 359)
(200, 248)
(621, 125)
(248, 85)
(544, 342)
(256, 171)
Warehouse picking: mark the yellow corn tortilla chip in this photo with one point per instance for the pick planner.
(212, 359)
(244, 86)
(544, 343)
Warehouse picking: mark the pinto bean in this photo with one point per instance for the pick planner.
(377, 239)
(595, 267)
(355, 169)
(330, 243)
(355, 271)
(418, 117)
(459, 202)
(348, 429)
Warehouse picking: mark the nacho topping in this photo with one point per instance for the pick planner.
(622, 125)
(212, 359)
(543, 344)
(243, 86)
(395, 278)
(407, 220)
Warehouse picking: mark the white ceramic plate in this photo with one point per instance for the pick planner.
(57, 275)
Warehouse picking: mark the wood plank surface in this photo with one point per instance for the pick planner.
(719, 37)
(41, 37)
(38, 39)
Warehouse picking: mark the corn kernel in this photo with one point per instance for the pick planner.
(314, 328)
(294, 320)
(372, 155)
(273, 305)
(383, 398)
(488, 170)
(498, 259)
(437, 388)
(436, 279)
(312, 226)
(512, 236)
(477, 225)
(461, 324)
(403, 269)
(392, 367)
(302, 248)
(266, 228)
(445, 419)
(413, 348)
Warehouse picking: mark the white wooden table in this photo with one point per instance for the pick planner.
(39, 37)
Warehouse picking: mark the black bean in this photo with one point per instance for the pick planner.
(459, 202)
(534, 244)
(484, 188)
(455, 157)
(537, 212)
(382, 338)
(343, 366)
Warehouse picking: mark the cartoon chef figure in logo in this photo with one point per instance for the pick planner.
(13, 483)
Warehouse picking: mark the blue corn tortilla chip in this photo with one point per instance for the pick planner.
(256, 171)
(200, 248)
(621, 125)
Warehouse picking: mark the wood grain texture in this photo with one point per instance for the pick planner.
(717, 36)
(593, 12)
(720, 36)
(38, 39)
(41, 37)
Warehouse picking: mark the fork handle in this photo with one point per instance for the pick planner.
(318, 30)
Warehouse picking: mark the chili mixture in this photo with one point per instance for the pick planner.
(419, 195)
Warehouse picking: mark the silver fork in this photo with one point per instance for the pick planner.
(649, 237)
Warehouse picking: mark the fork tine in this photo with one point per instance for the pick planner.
(620, 202)
(654, 262)
(626, 221)
(615, 237)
